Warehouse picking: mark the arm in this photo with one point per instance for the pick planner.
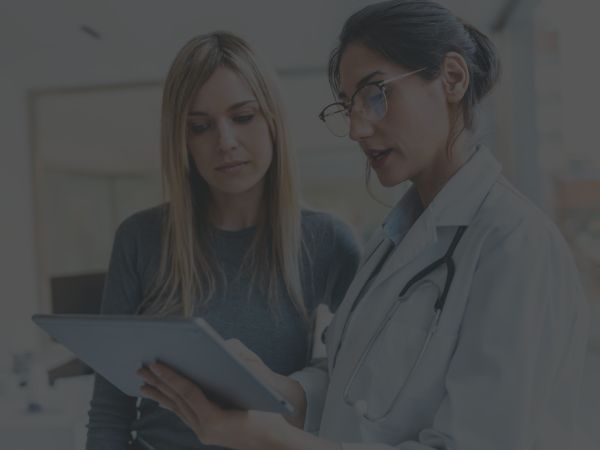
(111, 411)
(309, 388)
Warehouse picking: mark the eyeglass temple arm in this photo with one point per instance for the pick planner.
(404, 75)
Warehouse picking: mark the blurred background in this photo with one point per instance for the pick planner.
(80, 89)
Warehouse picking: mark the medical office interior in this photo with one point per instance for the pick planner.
(79, 135)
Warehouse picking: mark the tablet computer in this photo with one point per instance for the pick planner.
(117, 346)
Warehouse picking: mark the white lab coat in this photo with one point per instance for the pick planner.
(503, 369)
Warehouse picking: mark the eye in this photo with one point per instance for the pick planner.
(375, 97)
(243, 118)
(199, 128)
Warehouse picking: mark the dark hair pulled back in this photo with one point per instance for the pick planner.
(419, 34)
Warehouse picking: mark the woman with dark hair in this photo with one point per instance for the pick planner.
(465, 326)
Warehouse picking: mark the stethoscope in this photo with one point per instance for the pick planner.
(447, 260)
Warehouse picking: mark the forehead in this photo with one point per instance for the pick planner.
(357, 62)
(223, 89)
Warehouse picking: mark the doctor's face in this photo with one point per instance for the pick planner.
(228, 136)
(407, 142)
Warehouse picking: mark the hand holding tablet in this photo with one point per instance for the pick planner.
(116, 347)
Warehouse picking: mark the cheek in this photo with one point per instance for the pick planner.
(201, 157)
(260, 143)
(422, 118)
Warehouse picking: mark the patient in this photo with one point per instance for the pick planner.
(231, 245)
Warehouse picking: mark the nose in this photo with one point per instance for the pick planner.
(360, 128)
(227, 137)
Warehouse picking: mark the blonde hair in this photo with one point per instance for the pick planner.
(188, 271)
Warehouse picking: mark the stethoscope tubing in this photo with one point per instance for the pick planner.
(447, 260)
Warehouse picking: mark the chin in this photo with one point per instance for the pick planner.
(238, 187)
(389, 181)
(235, 190)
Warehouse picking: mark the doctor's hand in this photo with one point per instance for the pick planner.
(285, 386)
(253, 361)
(212, 424)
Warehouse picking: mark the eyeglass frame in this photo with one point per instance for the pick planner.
(347, 106)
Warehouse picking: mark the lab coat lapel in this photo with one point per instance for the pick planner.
(454, 206)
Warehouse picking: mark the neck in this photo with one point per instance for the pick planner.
(234, 212)
(431, 180)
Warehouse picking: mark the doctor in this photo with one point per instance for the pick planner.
(465, 327)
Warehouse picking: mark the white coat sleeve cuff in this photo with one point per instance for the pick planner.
(314, 382)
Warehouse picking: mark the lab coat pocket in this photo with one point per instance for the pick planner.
(393, 353)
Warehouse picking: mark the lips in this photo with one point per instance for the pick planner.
(376, 155)
(231, 165)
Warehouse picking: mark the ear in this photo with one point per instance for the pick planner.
(455, 77)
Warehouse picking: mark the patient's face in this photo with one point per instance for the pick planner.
(228, 136)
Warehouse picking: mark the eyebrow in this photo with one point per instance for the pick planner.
(364, 80)
(232, 107)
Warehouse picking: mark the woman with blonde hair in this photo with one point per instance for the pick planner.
(231, 245)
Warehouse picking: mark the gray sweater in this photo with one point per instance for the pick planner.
(282, 341)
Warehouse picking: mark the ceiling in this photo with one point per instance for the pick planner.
(43, 45)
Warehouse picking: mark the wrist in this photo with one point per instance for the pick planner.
(293, 392)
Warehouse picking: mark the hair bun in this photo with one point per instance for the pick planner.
(488, 64)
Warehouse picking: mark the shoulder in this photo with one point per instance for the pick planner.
(140, 233)
(523, 262)
(521, 245)
(143, 223)
(508, 217)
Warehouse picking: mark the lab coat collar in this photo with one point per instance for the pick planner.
(455, 205)
(458, 201)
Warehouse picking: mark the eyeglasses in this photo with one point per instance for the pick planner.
(369, 101)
